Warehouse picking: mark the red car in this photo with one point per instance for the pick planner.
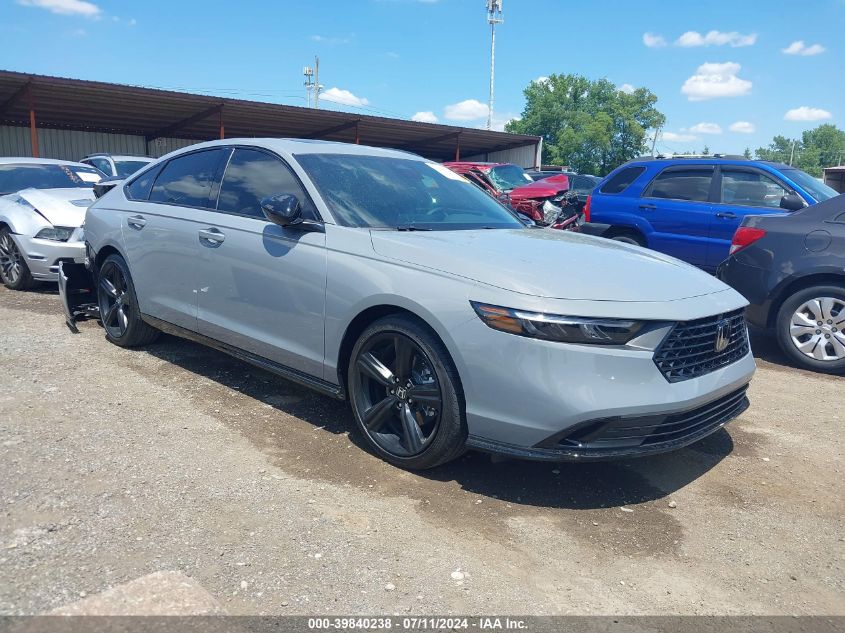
(510, 184)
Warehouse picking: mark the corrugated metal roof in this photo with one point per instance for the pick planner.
(75, 104)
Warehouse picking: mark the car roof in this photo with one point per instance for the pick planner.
(709, 160)
(119, 157)
(303, 146)
(17, 160)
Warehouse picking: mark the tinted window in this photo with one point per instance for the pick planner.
(813, 186)
(621, 180)
(750, 189)
(692, 184)
(14, 177)
(583, 184)
(252, 175)
(186, 180)
(139, 189)
(126, 168)
(103, 165)
(388, 192)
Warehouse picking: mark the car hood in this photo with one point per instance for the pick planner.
(60, 207)
(545, 188)
(549, 263)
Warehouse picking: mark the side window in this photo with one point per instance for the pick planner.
(186, 180)
(688, 183)
(103, 165)
(253, 175)
(139, 189)
(750, 189)
(622, 180)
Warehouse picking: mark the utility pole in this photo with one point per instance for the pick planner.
(494, 17)
(317, 85)
(308, 72)
(792, 153)
(654, 142)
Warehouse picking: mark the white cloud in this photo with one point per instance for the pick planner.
(425, 116)
(743, 127)
(342, 97)
(674, 137)
(468, 110)
(65, 7)
(323, 39)
(805, 113)
(799, 48)
(542, 79)
(500, 120)
(627, 88)
(706, 128)
(653, 41)
(711, 81)
(716, 38)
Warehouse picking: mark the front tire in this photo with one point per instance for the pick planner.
(14, 273)
(627, 237)
(810, 328)
(406, 395)
(118, 303)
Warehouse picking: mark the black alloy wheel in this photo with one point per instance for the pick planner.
(119, 311)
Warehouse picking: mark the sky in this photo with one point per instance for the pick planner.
(728, 74)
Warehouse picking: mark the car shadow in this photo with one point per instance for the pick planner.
(570, 485)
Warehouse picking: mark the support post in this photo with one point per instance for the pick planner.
(357, 136)
(222, 127)
(33, 131)
(458, 148)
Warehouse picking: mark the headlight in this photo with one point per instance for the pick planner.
(554, 327)
(550, 212)
(56, 233)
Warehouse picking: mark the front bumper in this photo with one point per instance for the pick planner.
(43, 256)
(523, 396)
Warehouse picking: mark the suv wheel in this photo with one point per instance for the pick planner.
(14, 273)
(119, 305)
(811, 328)
(628, 237)
(404, 391)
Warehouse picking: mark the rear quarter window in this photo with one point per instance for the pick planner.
(621, 180)
(140, 187)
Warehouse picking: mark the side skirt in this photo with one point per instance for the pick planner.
(288, 373)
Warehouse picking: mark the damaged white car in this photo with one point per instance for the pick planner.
(42, 207)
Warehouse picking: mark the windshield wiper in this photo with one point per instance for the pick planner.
(411, 227)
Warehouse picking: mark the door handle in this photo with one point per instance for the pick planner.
(648, 207)
(728, 215)
(212, 236)
(136, 221)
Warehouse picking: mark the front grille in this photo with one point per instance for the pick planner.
(618, 434)
(690, 349)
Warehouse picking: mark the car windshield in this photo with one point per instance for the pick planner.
(17, 176)
(405, 194)
(507, 177)
(128, 167)
(813, 186)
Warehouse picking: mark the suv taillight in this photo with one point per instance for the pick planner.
(587, 208)
(745, 236)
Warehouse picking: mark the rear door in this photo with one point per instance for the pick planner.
(262, 287)
(741, 191)
(677, 206)
(160, 233)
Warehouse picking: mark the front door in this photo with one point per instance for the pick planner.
(262, 287)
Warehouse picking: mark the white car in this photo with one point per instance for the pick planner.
(117, 166)
(42, 207)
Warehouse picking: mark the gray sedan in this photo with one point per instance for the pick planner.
(383, 278)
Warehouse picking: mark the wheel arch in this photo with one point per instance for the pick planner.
(104, 252)
(795, 284)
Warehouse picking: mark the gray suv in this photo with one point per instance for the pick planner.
(380, 277)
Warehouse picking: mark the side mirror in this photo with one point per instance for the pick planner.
(792, 202)
(282, 209)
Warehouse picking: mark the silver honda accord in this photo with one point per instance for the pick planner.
(383, 278)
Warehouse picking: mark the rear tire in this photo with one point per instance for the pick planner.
(810, 328)
(14, 273)
(118, 303)
(406, 394)
(627, 236)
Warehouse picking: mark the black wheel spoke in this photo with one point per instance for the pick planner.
(375, 369)
(404, 357)
(412, 436)
(376, 416)
(123, 322)
(428, 394)
(110, 316)
(108, 287)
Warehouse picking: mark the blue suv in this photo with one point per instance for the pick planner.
(690, 207)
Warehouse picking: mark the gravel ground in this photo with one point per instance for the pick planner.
(115, 464)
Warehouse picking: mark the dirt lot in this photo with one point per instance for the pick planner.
(115, 464)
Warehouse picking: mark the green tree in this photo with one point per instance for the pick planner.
(747, 153)
(821, 147)
(590, 125)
